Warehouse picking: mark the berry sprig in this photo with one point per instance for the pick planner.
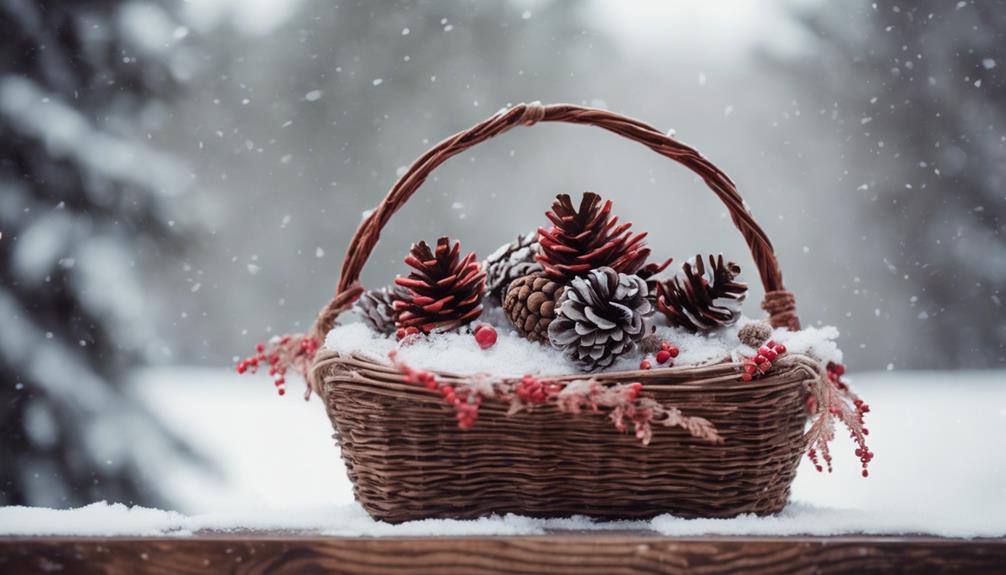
(762, 361)
(464, 399)
(833, 399)
(623, 401)
(282, 354)
(664, 356)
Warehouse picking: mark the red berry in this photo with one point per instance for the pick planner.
(746, 376)
(811, 404)
(780, 349)
(664, 345)
(645, 364)
(674, 350)
(634, 389)
(750, 367)
(764, 366)
(663, 356)
(427, 379)
(866, 473)
(260, 347)
(485, 335)
(770, 343)
(839, 369)
(759, 359)
(770, 355)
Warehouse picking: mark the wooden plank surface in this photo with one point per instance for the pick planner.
(606, 553)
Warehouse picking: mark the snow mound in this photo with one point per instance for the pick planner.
(96, 519)
(514, 356)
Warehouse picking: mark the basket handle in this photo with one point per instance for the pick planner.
(779, 303)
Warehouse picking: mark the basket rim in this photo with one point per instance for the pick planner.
(724, 375)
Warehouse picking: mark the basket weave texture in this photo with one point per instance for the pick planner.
(408, 460)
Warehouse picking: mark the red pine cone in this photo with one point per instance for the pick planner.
(588, 238)
(444, 292)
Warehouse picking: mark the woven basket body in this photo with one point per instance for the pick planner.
(408, 460)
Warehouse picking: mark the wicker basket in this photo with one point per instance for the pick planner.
(408, 460)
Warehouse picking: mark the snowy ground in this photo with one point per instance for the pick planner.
(940, 469)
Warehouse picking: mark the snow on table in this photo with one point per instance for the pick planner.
(939, 470)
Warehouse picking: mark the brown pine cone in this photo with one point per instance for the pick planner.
(700, 298)
(530, 304)
(755, 334)
(443, 292)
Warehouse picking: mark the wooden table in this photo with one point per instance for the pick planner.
(557, 553)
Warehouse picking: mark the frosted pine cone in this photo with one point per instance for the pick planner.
(700, 298)
(376, 308)
(600, 317)
(510, 262)
(530, 304)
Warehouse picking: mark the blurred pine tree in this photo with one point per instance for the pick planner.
(83, 198)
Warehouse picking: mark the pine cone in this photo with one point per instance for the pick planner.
(700, 299)
(376, 307)
(510, 262)
(530, 304)
(600, 317)
(755, 334)
(587, 238)
(444, 292)
(649, 273)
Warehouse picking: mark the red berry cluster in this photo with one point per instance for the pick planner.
(534, 391)
(812, 454)
(404, 332)
(282, 354)
(762, 362)
(666, 356)
(835, 373)
(464, 400)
